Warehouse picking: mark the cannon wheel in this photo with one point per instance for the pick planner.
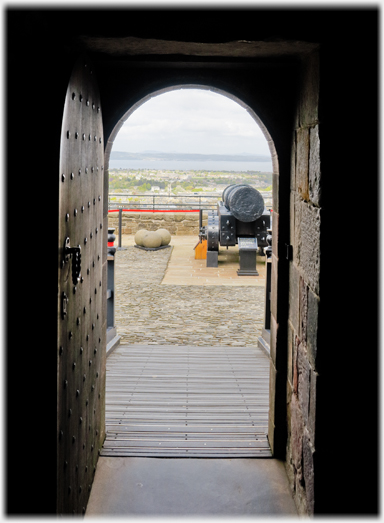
(213, 232)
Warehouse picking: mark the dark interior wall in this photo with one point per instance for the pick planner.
(41, 50)
(37, 75)
(347, 355)
(332, 379)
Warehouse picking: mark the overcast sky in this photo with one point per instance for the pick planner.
(191, 121)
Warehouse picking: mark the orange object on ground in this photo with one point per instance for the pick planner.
(201, 250)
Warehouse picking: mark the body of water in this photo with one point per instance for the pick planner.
(191, 165)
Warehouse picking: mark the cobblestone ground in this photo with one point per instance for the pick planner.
(150, 313)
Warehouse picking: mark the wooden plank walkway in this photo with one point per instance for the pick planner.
(187, 401)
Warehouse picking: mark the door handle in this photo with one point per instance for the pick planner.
(75, 254)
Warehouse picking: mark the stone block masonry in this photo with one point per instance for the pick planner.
(177, 223)
(304, 291)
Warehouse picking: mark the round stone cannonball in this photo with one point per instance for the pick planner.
(152, 239)
(139, 236)
(165, 236)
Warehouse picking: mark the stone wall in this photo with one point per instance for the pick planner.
(177, 223)
(304, 272)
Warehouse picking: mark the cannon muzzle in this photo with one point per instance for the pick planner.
(245, 202)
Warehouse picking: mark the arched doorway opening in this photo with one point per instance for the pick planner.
(135, 106)
(130, 111)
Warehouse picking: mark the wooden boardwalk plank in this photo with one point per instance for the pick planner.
(176, 401)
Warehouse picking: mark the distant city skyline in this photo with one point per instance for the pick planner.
(191, 121)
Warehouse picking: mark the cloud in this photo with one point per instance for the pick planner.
(191, 120)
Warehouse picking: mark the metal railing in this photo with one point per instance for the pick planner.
(172, 202)
(161, 202)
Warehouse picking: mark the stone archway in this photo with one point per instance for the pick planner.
(275, 165)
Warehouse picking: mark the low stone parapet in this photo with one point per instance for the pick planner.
(177, 223)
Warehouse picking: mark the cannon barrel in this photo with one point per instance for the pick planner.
(245, 202)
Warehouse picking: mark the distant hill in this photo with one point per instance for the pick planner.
(153, 155)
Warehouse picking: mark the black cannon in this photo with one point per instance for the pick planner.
(241, 218)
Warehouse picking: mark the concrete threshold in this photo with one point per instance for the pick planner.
(190, 487)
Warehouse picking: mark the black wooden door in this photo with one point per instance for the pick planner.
(81, 301)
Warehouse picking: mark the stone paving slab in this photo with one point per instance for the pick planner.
(183, 269)
(149, 312)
